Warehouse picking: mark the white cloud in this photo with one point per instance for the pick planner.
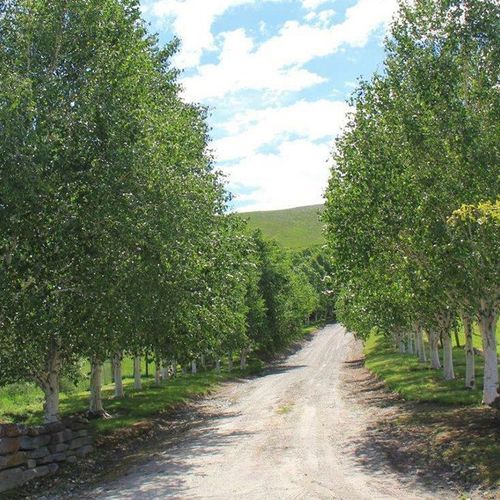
(241, 67)
(296, 175)
(276, 156)
(277, 64)
(313, 4)
(192, 21)
(250, 131)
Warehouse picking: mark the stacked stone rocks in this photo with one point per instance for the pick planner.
(30, 452)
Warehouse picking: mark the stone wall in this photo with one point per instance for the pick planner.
(30, 452)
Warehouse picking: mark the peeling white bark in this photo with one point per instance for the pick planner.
(402, 346)
(444, 323)
(194, 368)
(448, 372)
(434, 349)
(487, 326)
(419, 340)
(137, 373)
(117, 375)
(410, 344)
(243, 359)
(470, 375)
(157, 369)
(95, 403)
(49, 382)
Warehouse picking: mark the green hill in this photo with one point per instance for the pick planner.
(295, 228)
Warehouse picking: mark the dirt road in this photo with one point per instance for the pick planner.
(287, 434)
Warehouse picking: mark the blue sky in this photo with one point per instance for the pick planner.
(276, 75)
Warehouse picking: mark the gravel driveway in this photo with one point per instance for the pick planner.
(286, 434)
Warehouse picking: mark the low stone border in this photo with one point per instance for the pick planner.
(31, 452)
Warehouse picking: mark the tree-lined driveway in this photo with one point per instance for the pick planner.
(290, 433)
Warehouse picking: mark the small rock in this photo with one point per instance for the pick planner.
(40, 453)
(13, 460)
(32, 443)
(79, 442)
(58, 448)
(9, 445)
(84, 450)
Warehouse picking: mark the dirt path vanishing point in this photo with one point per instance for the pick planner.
(289, 434)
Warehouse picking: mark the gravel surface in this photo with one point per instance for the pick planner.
(291, 433)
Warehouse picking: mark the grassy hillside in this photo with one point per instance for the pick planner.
(295, 228)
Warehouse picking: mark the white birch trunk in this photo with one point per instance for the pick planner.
(420, 345)
(95, 403)
(137, 373)
(217, 365)
(157, 370)
(50, 385)
(402, 345)
(243, 359)
(434, 349)
(410, 344)
(444, 322)
(202, 361)
(470, 372)
(173, 368)
(164, 373)
(117, 375)
(448, 372)
(194, 368)
(230, 361)
(487, 325)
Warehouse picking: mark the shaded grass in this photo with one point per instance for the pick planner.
(467, 438)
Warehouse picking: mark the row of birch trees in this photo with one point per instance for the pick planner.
(114, 234)
(413, 211)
